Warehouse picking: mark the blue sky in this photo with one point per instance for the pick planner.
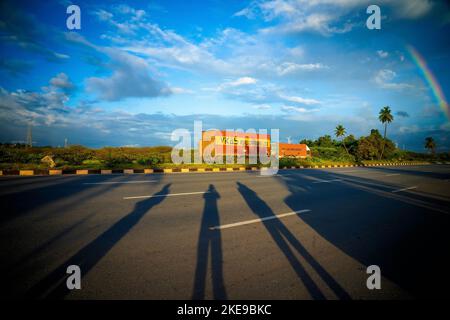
(137, 71)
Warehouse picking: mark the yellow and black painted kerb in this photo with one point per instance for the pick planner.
(188, 170)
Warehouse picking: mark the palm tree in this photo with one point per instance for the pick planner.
(385, 116)
(340, 132)
(430, 144)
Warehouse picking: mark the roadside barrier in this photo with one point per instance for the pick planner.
(189, 170)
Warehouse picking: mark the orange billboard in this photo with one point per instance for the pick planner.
(293, 150)
(235, 143)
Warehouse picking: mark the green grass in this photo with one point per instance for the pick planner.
(285, 162)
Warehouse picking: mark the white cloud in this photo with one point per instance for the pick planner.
(297, 109)
(45, 107)
(275, 8)
(131, 78)
(233, 84)
(291, 67)
(382, 54)
(61, 81)
(242, 81)
(259, 93)
(178, 90)
(126, 18)
(244, 54)
(326, 16)
(383, 78)
(248, 12)
(316, 22)
(299, 100)
(61, 55)
(262, 107)
(103, 15)
(167, 48)
(296, 52)
(412, 9)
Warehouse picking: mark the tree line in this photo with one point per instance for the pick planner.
(372, 147)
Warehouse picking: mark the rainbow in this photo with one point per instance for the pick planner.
(431, 79)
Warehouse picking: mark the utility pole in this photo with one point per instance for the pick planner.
(65, 142)
(29, 136)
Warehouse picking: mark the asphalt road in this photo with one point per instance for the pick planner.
(196, 235)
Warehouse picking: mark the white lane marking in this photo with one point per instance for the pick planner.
(269, 175)
(355, 171)
(166, 195)
(404, 189)
(392, 174)
(117, 182)
(346, 171)
(327, 181)
(237, 224)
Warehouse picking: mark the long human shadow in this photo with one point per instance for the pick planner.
(45, 191)
(406, 170)
(282, 236)
(44, 246)
(372, 183)
(409, 242)
(209, 241)
(54, 285)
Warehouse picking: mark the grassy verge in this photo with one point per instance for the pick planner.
(282, 163)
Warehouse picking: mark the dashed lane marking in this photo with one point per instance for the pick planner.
(120, 182)
(327, 181)
(242, 223)
(404, 189)
(166, 195)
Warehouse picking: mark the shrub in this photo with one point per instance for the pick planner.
(331, 153)
(74, 155)
(151, 160)
(116, 161)
(20, 155)
(288, 162)
(94, 162)
(369, 148)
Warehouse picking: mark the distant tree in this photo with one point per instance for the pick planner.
(430, 144)
(368, 148)
(307, 142)
(325, 141)
(351, 143)
(385, 116)
(340, 133)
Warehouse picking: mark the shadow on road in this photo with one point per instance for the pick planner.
(47, 190)
(406, 237)
(43, 247)
(209, 241)
(427, 173)
(54, 284)
(282, 237)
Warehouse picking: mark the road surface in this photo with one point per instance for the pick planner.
(301, 234)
